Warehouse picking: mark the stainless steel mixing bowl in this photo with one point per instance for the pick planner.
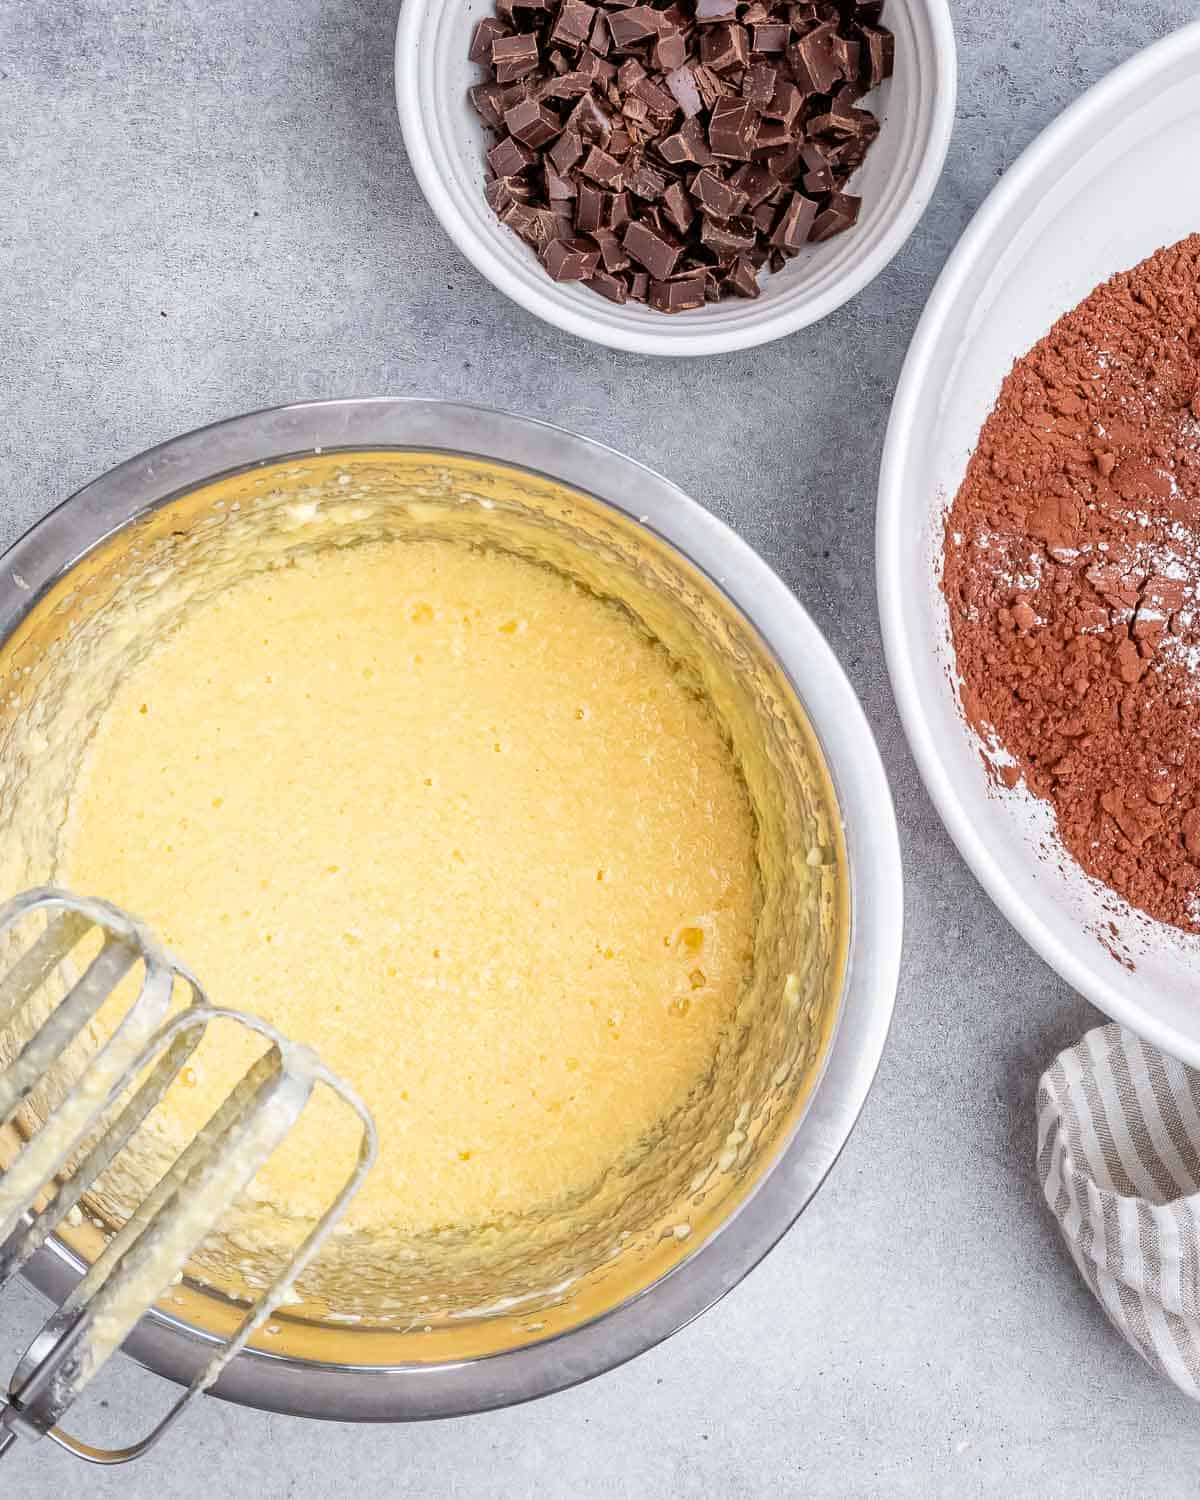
(354, 1375)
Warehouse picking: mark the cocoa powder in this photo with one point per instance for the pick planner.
(1072, 575)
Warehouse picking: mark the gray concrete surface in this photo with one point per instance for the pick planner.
(205, 207)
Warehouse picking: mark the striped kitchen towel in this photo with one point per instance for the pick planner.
(1119, 1160)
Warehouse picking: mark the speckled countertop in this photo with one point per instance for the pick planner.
(206, 208)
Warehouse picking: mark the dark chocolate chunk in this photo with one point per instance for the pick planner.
(714, 195)
(514, 57)
(639, 286)
(502, 192)
(677, 206)
(483, 36)
(658, 100)
(759, 84)
(532, 123)
(600, 40)
(650, 249)
(681, 293)
(686, 145)
(570, 260)
(486, 97)
(786, 103)
(813, 64)
(566, 151)
(670, 51)
(603, 168)
(537, 226)
(725, 47)
(771, 37)
(716, 10)
(743, 278)
(729, 238)
(682, 84)
(818, 178)
(753, 182)
(509, 158)
(710, 86)
(589, 209)
(879, 55)
(574, 23)
(839, 214)
(847, 52)
(559, 189)
(732, 128)
(612, 287)
(618, 210)
(794, 223)
(647, 183)
(629, 27)
(591, 120)
(613, 255)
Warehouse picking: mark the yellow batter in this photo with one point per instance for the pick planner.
(459, 824)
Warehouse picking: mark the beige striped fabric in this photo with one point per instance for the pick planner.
(1119, 1161)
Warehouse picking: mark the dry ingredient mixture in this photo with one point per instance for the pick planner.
(1072, 573)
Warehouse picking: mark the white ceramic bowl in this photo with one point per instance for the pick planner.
(1107, 184)
(446, 144)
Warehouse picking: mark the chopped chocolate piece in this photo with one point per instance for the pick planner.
(681, 293)
(772, 37)
(725, 47)
(532, 123)
(786, 103)
(716, 10)
(732, 129)
(600, 40)
(712, 285)
(629, 72)
(771, 134)
(574, 23)
(785, 163)
(502, 192)
(869, 14)
(847, 52)
(589, 209)
(728, 239)
(743, 278)
(842, 124)
(591, 120)
(677, 206)
(656, 99)
(566, 151)
(752, 182)
(618, 210)
(759, 84)
(755, 14)
(620, 143)
(639, 286)
(635, 111)
(514, 56)
(509, 158)
(558, 188)
(628, 27)
(817, 175)
(687, 145)
(482, 38)
(485, 97)
(647, 183)
(651, 250)
(670, 51)
(570, 260)
(608, 286)
(682, 84)
(764, 216)
(536, 226)
(567, 86)
(612, 252)
(879, 55)
(840, 213)
(560, 62)
(603, 168)
(813, 64)
(710, 86)
(715, 196)
(794, 223)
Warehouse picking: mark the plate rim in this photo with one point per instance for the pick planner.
(980, 239)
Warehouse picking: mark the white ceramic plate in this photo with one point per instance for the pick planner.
(1113, 179)
(446, 144)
